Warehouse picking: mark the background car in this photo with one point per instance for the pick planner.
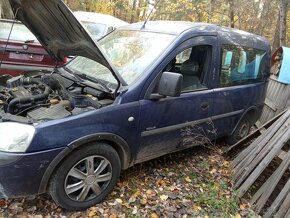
(99, 24)
(22, 52)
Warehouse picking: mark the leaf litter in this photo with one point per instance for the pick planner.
(191, 183)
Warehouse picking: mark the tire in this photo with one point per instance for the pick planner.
(240, 132)
(85, 177)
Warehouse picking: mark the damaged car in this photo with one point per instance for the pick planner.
(138, 93)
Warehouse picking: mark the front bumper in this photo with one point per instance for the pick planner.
(21, 174)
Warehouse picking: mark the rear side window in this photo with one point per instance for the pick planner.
(241, 65)
(18, 33)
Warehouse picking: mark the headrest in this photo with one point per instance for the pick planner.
(189, 67)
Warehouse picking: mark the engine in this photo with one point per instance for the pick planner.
(46, 97)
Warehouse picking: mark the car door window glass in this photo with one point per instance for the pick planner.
(183, 56)
(241, 65)
(193, 63)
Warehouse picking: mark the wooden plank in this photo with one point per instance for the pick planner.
(270, 104)
(277, 202)
(282, 154)
(269, 186)
(284, 207)
(258, 124)
(260, 151)
(262, 130)
(288, 213)
(243, 161)
(279, 143)
(253, 135)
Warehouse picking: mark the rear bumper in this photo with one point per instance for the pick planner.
(21, 174)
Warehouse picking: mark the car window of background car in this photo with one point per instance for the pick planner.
(18, 33)
(241, 65)
(96, 29)
(131, 52)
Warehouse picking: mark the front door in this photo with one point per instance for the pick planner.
(174, 123)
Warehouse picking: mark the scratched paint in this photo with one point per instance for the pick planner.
(2, 192)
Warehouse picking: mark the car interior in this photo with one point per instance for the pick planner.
(193, 63)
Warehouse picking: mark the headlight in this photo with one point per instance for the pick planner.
(15, 137)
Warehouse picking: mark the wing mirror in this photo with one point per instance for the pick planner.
(169, 85)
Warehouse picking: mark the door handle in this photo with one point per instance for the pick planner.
(204, 105)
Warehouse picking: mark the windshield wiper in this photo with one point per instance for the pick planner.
(86, 77)
(29, 41)
(75, 75)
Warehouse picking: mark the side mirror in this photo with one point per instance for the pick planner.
(169, 85)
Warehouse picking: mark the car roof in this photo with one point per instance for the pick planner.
(99, 18)
(226, 35)
(172, 27)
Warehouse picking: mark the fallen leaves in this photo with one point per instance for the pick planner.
(154, 215)
(163, 197)
(194, 183)
(187, 179)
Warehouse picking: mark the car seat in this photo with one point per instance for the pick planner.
(190, 71)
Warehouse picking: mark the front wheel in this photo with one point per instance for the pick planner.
(85, 177)
(240, 132)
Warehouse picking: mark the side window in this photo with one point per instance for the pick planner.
(241, 65)
(183, 56)
(194, 64)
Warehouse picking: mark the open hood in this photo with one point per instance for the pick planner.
(59, 32)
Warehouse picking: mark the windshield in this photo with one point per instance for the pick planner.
(131, 52)
(18, 33)
(96, 29)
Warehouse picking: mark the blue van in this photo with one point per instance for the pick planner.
(145, 90)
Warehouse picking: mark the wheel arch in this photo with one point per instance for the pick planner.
(251, 112)
(117, 142)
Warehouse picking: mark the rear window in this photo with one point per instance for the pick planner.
(19, 32)
(241, 65)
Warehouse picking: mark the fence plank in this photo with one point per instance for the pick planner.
(279, 199)
(279, 143)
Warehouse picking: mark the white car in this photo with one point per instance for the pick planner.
(99, 24)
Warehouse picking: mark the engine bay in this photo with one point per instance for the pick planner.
(46, 97)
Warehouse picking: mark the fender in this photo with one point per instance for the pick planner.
(115, 141)
(249, 110)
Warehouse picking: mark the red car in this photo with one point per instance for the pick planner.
(22, 52)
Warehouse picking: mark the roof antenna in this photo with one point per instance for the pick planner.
(147, 18)
(8, 38)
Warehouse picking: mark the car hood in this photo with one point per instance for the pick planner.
(59, 32)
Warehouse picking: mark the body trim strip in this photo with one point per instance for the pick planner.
(182, 125)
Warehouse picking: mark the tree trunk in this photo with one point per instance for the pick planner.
(209, 11)
(263, 17)
(5, 10)
(239, 13)
(232, 13)
(133, 12)
(283, 15)
(276, 41)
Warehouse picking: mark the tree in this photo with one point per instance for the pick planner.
(5, 10)
(283, 15)
(281, 25)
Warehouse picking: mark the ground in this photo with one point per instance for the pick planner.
(192, 183)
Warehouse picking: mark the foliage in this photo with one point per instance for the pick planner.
(253, 16)
(257, 16)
